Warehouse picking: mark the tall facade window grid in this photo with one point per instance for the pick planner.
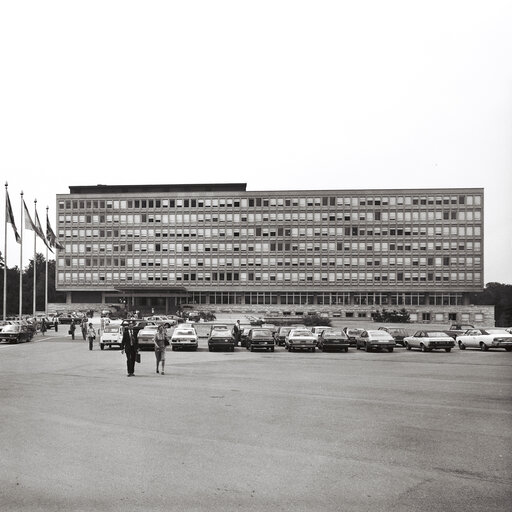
(350, 216)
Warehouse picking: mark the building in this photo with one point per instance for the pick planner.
(219, 246)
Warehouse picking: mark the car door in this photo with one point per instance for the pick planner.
(472, 338)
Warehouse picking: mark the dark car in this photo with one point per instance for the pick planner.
(333, 339)
(260, 339)
(398, 333)
(15, 333)
(243, 335)
(220, 338)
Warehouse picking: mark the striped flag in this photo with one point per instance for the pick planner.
(50, 235)
(9, 217)
(34, 226)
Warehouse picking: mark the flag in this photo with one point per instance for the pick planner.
(9, 217)
(50, 235)
(31, 225)
(40, 232)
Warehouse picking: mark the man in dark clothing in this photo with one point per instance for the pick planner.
(237, 332)
(130, 346)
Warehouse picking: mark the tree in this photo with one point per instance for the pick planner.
(13, 284)
(500, 296)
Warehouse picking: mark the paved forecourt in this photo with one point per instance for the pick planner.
(401, 431)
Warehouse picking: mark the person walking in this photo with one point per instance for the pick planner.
(56, 323)
(43, 326)
(72, 328)
(130, 346)
(91, 335)
(84, 327)
(237, 331)
(161, 341)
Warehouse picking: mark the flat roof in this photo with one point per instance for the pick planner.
(180, 187)
(242, 187)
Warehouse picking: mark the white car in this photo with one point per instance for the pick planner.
(111, 335)
(484, 339)
(146, 336)
(429, 340)
(184, 337)
(300, 338)
(167, 321)
(317, 330)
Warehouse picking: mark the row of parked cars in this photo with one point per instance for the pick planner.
(299, 337)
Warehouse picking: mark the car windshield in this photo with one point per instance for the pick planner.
(333, 334)
(436, 334)
(261, 333)
(301, 332)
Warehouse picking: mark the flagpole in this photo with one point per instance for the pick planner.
(21, 260)
(35, 255)
(46, 277)
(5, 258)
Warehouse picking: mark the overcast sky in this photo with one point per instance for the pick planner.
(278, 94)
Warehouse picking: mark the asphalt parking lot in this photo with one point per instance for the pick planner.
(401, 431)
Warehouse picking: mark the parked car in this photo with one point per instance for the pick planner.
(284, 331)
(15, 333)
(111, 335)
(484, 339)
(219, 327)
(184, 336)
(429, 340)
(271, 327)
(319, 329)
(243, 335)
(221, 338)
(146, 335)
(164, 320)
(375, 339)
(352, 334)
(398, 333)
(260, 338)
(457, 329)
(333, 339)
(300, 339)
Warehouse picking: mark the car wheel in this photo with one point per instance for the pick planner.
(407, 346)
(358, 347)
(390, 349)
(483, 346)
(448, 349)
(313, 349)
(462, 346)
(368, 348)
(210, 349)
(508, 349)
(423, 348)
(102, 346)
(251, 349)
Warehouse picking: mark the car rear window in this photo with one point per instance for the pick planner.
(302, 332)
(436, 334)
(185, 332)
(263, 333)
(334, 334)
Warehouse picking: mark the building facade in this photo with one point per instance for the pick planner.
(220, 246)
